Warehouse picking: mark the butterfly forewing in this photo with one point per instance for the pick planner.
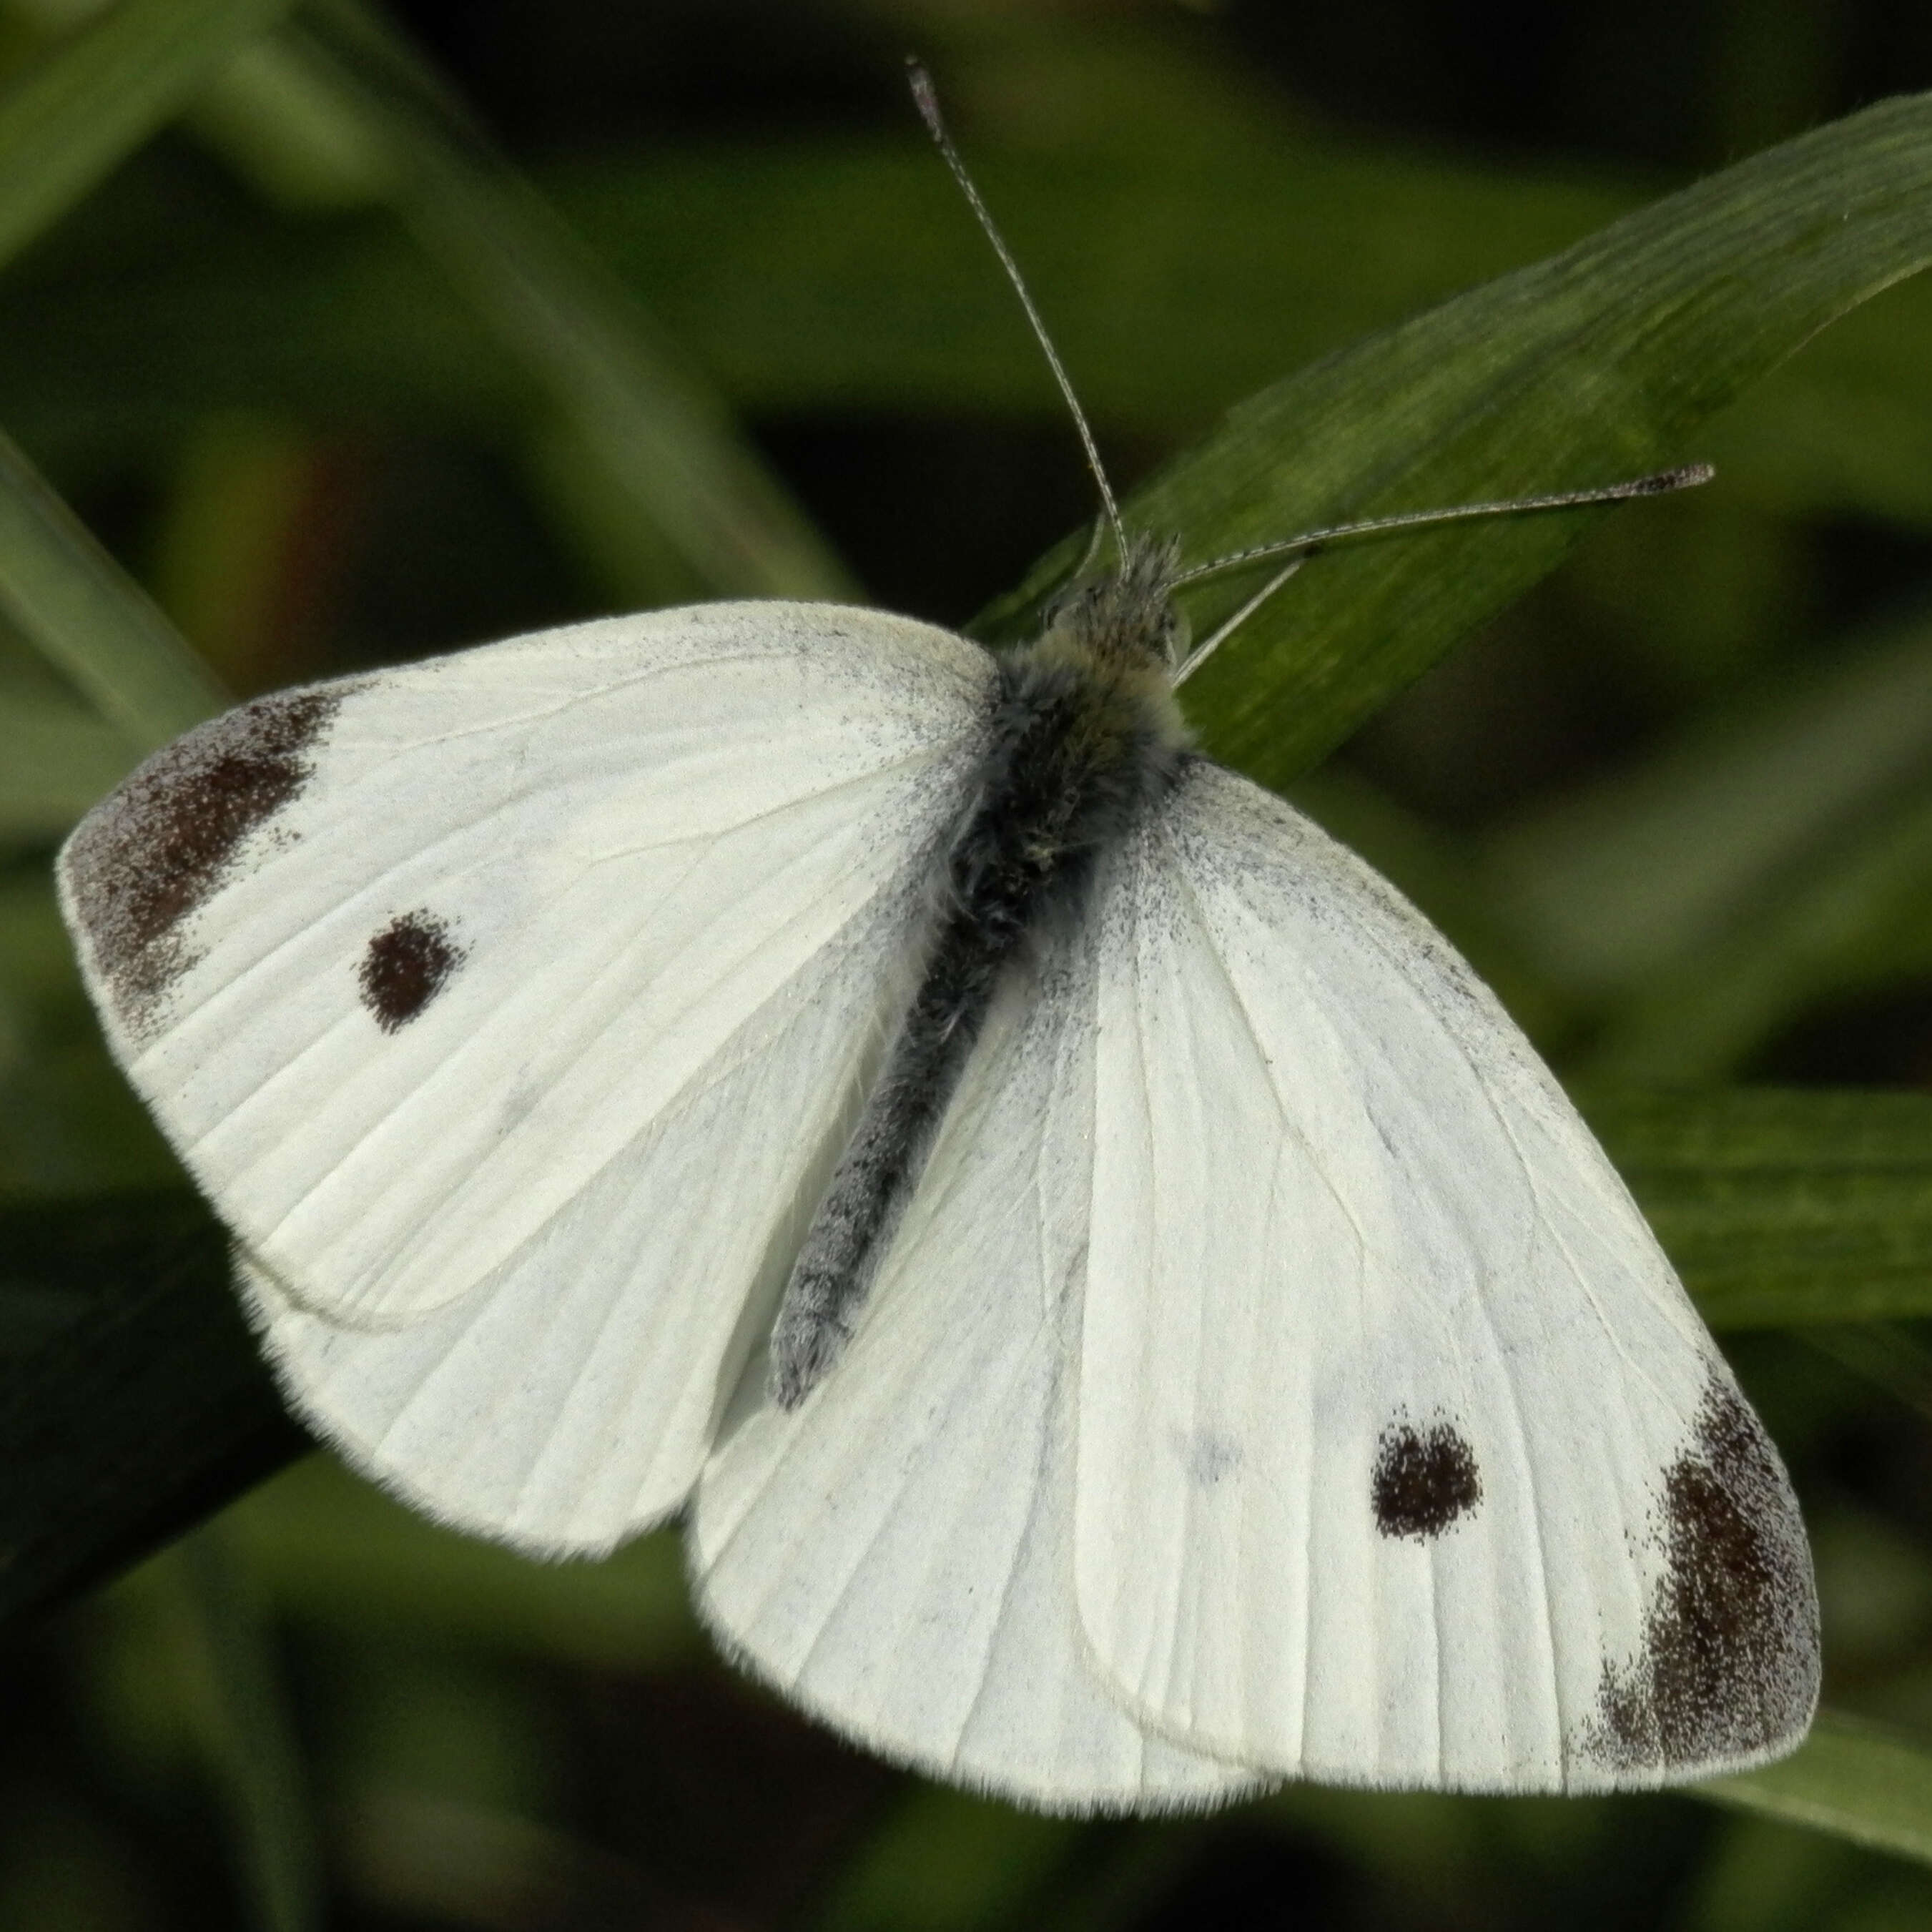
(528, 990)
(1402, 1458)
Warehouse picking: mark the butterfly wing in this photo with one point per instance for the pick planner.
(1402, 1459)
(895, 1555)
(510, 1007)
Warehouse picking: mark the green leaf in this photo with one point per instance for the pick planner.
(1850, 917)
(55, 759)
(132, 1399)
(227, 1662)
(1855, 1779)
(633, 438)
(1600, 364)
(1782, 1206)
(93, 99)
(1619, 881)
(1767, 857)
(91, 620)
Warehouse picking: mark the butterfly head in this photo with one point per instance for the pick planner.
(1127, 620)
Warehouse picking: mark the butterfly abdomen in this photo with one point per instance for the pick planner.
(1084, 736)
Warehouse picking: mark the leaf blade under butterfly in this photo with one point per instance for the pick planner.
(118, 1310)
(1858, 1780)
(1600, 363)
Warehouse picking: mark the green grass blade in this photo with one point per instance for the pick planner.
(1618, 881)
(1852, 915)
(132, 1399)
(93, 98)
(55, 759)
(637, 444)
(90, 620)
(1855, 1779)
(248, 1732)
(1600, 364)
(1775, 854)
(1782, 1206)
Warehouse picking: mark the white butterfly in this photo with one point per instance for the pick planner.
(1268, 1376)
(1212, 1350)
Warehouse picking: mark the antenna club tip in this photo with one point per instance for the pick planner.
(1685, 476)
(925, 97)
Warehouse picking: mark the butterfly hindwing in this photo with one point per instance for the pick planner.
(896, 1553)
(1402, 1457)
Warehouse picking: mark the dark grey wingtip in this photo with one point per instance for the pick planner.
(1727, 1672)
(154, 852)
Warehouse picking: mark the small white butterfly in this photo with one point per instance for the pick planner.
(1127, 1315)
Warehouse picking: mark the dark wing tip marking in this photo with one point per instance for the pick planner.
(1423, 1480)
(1728, 1668)
(405, 966)
(160, 847)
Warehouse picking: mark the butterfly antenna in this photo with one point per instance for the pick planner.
(1206, 649)
(928, 102)
(1686, 477)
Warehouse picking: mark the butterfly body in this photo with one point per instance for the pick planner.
(1084, 736)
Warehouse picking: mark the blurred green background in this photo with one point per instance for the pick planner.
(340, 347)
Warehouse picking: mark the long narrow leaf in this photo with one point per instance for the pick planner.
(1624, 879)
(93, 98)
(248, 1733)
(1601, 363)
(69, 597)
(640, 446)
(132, 1401)
(1854, 915)
(1869, 1784)
(1783, 1206)
(55, 759)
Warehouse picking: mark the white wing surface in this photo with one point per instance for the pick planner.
(1402, 1458)
(896, 1554)
(510, 1007)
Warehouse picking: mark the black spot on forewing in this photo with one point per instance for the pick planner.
(405, 966)
(1423, 1480)
(165, 842)
(1728, 1667)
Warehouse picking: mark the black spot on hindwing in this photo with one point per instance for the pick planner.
(1423, 1480)
(405, 966)
(162, 845)
(1728, 1665)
